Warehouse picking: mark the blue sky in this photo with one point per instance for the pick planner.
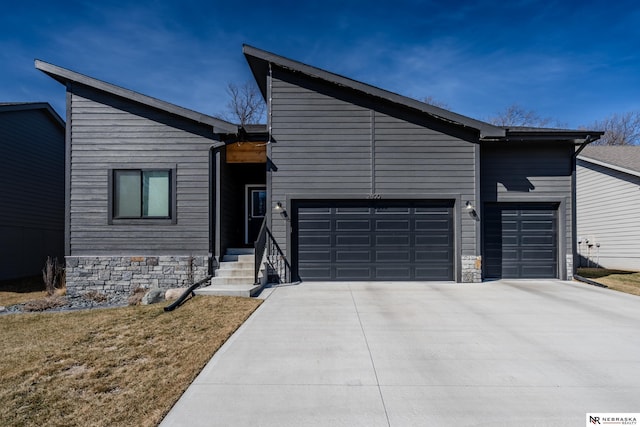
(576, 62)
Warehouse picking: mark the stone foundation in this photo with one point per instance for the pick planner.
(569, 265)
(471, 269)
(116, 274)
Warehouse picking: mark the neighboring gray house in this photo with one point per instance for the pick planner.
(608, 197)
(32, 188)
(351, 181)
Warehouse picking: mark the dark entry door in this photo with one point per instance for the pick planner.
(521, 240)
(373, 240)
(255, 209)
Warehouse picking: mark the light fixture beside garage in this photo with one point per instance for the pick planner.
(282, 210)
(472, 210)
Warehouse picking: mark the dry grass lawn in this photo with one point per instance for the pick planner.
(21, 290)
(619, 280)
(106, 367)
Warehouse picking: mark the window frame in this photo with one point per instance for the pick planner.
(142, 220)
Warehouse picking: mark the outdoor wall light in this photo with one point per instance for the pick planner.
(472, 210)
(282, 210)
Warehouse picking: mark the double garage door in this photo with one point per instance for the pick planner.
(521, 240)
(373, 240)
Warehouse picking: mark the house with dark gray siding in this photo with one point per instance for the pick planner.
(608, 196)
(345, 182)
(32, 188)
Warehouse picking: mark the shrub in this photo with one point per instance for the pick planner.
(53, 275)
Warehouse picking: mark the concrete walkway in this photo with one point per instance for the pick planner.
(513, 353)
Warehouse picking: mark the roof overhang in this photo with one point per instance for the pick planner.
(65, 76)
(260, 62)
(576, 137)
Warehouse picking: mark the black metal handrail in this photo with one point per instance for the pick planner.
(259, 247)
(278, 268)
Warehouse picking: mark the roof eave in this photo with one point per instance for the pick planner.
(542, 135)
(64, 76)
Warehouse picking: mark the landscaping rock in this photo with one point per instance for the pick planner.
(155, 295)
(174, 293)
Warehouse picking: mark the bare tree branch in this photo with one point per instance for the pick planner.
(436, 103)
(516, 115)
(246, 105)
(619, 129)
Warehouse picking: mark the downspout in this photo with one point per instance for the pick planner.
(213, 220)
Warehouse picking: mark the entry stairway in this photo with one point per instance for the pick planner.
(235, 276)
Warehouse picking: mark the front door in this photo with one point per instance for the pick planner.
(255, 209)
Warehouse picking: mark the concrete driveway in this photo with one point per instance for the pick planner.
(424, 354)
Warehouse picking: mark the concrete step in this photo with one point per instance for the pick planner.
(235, 272)
(238, 258)
(225, 265)
(240, 251)
(233, 280)
(230, 290)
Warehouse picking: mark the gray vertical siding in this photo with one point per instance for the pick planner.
(534, 172)
(607, 213)
(108, 132)
(31, 191)
(331, 143)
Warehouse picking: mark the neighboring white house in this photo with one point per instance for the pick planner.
(608, 207)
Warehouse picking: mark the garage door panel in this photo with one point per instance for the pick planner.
(352, 255)
(521, 240)
(432, 273)
(353, 224)
(315, 256)
(374, 240)
(315, 240)
(434, 256)
(393, 273)
(392, 240)
(352, 240)
(432, 240)
(433, 224)
(392, 256)
(317, 225)
(351, 273)
(390, 225)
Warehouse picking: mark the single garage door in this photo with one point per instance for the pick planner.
(373, 240)
(521, 240)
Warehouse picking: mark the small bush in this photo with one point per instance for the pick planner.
(53, 275)
(136, 296)
(44, 304)
(95, 296)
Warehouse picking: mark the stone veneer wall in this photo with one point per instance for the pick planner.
(123, 274)
(471, 269)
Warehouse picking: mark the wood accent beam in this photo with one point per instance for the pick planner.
(247, 152)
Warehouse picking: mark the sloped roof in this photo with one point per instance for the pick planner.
(624, 158)
(64, 75)
(260, 61)
(21, 106)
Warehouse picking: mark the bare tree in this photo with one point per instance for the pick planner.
(619, 129)
(436, 103)
(246, 104)
(516, 115)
